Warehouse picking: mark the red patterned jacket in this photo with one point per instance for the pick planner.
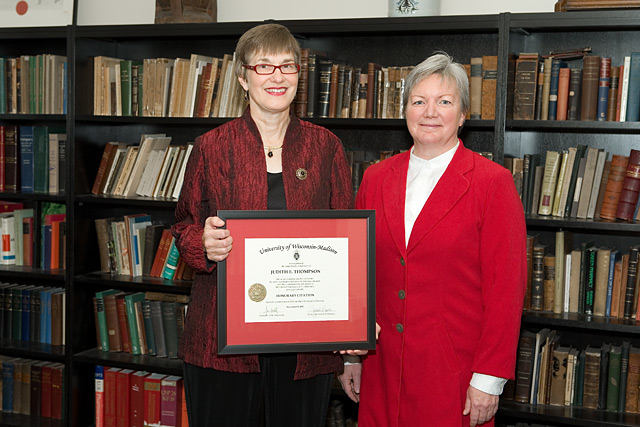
(227, 170)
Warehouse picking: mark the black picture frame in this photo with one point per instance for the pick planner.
(362, 221)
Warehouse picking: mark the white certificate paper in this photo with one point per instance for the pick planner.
(293, 280)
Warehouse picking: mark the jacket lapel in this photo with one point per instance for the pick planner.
(395, 185)
(450, 188)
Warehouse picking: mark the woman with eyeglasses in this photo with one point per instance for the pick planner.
(266, 159)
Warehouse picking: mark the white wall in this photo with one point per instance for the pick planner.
(101, 12)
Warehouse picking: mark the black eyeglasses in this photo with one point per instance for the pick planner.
(290, 68)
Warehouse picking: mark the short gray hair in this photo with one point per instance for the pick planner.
(439, 63)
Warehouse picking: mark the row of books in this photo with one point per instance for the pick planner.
(549, 373)
(125, 397)
(329, 88)
(139, 323)
(32, 387)
(589, 278)
(134, 246)
(553, 89)
(154, 168)
(32, 313)
(18, 236)
(198, 86)
(32, 159)
(581, 182)
(33, 84)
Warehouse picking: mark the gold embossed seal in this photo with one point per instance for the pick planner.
(301, 174)
(257, 292)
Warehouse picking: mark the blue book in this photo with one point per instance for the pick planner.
(556, 64)
(26, 159)
(7, 385)
(633, 97)
(26, 312)
(603, 89)
(45, 315)
(45, 249)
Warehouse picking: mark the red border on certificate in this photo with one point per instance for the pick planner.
(297, 332)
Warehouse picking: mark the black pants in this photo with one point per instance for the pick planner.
(217, 398)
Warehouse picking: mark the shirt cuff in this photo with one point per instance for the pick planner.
(351, 360)
(487, 383)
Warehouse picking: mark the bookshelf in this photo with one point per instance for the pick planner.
(611, 34)
(387, 41)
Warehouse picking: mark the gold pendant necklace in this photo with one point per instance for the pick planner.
(271, 150)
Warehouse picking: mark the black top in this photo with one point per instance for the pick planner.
(276, 199)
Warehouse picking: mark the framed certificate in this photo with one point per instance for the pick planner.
(297, 281)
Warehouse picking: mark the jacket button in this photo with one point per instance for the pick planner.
(402, 294)
(399, 327)
(402, 261)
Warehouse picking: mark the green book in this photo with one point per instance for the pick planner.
(169, 322)
(613, 385)
(125, 85)
(130, 301)
(624, 371)
(173, 256)
(148, 327)
(102, 317)
(40, 159)
(33, 84)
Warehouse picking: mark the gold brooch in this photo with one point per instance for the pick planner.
(301, 174)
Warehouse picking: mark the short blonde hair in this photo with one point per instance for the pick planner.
(267, 39)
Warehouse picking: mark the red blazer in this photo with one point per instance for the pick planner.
(449, 303)
(227, 170)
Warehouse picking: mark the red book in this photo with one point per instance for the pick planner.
(123, 398)
(10, 206)
(110, 394)
(105, 164)
(137, 398)
(630, 188)
(563, 94)
(171, 404)
(11, 181)
(124, 325)
(57, 378)
(27, 241)
(45, 408)
(161, 253)
(55, 244)
(184, 421)
(152, 399)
